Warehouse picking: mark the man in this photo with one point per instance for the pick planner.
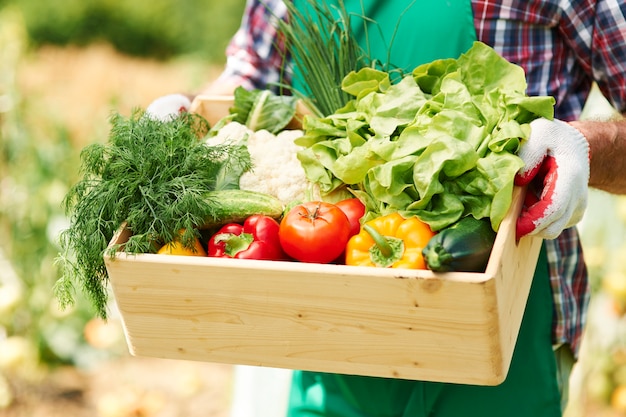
(564, 47)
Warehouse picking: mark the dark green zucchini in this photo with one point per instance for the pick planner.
(464, 246)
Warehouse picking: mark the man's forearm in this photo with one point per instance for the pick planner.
(607, 146)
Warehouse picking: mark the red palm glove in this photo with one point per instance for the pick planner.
(556, 158)
(167, 107)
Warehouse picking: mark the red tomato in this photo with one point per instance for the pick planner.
(354, 209)
(314, 231)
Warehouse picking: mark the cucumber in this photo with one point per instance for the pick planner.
(235, 206)
(464, 246)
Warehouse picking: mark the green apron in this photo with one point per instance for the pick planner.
(531, 388)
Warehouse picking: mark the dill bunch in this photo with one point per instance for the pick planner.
(154, 176)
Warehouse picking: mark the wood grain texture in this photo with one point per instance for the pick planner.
(411, 324)
(212, 108)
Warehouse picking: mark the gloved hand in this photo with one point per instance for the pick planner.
(167, 107)
(556, 158)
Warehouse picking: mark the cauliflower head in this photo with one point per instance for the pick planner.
(276, 169)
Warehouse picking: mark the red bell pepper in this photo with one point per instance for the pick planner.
(257, 238)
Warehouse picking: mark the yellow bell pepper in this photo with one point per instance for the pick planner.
(390, 241)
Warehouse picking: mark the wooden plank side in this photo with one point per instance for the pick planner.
(373, 356)
(513, 287)
(212, 108)
(395, 326)
(512, 264)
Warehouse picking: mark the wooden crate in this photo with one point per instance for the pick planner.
(411, 324)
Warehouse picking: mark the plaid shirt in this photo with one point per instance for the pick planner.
(564, 47)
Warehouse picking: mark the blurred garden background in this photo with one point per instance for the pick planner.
(65, 66)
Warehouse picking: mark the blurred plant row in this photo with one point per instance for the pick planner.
(599, 380)
(150, 28)
(39, 154)
(36, 170)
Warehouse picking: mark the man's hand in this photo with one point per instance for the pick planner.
(167, 107)
(556, 158)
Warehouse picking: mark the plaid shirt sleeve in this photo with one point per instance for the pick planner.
(607, 54)
(255, 56)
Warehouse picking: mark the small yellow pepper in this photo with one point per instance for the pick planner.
(390, 241)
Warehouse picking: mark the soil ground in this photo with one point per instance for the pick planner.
(125, 387)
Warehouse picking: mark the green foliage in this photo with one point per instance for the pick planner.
(152, 174)
(263, 110)
(151, 28)
(35, 175)
(313, 35)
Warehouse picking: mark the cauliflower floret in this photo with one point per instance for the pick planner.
(232, 132)
(276, 169)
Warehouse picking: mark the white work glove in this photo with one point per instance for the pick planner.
(167, 107)
(556, 158)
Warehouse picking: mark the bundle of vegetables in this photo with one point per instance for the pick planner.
(439, 144)
(164, 182)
